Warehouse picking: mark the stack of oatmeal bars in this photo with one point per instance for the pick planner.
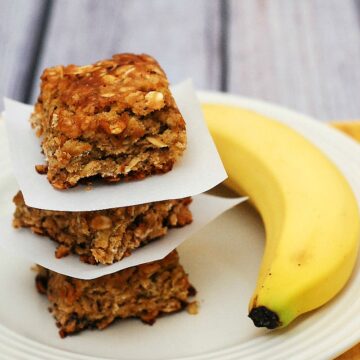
(113, 121)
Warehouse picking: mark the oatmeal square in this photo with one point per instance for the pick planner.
(115, 119)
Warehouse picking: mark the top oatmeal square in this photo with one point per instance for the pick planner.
(115, 119)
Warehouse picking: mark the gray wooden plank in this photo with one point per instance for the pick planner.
(301, 54)
(182, 35)
(19, 29)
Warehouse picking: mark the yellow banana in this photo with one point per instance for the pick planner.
(309, 211)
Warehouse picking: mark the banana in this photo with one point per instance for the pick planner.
(309, 211)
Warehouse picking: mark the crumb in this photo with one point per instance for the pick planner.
(193, 308)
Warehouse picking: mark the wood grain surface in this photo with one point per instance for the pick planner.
(20, 28)
(182, 35)
(301, 54)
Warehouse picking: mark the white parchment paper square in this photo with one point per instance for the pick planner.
(197, 171)
(40, 249)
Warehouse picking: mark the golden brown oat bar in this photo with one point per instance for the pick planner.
(103, 236)
(145, 291)
(115, 119)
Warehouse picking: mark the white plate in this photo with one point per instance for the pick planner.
(222, 261)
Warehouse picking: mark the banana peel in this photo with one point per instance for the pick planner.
(309, 211)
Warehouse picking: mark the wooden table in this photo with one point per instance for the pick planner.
(301, 54)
